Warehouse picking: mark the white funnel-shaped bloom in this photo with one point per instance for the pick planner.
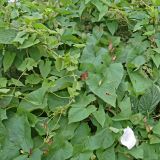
(128, 138)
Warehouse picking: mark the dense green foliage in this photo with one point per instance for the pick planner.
(74, 74)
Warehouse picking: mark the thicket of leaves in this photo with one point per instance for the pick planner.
(73, 74)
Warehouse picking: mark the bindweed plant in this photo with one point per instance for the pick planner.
(79, 80)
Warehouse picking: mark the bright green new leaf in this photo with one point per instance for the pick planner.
(156, 2)
(3, 82)
(5, 90)
(59, 64)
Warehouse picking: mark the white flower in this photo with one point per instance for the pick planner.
(128, 138)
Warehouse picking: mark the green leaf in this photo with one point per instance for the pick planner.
(45, 68)
(67, 131)
(139, 82)
(20, 132)
(138, 61)
(105, 87)
(74, 74)
(137, 152)
(156, 59)
(29, 42)
(122, 156)
(149, 100)
(5, 90)
(79, 110)
(35, 100)
(153, 139)
(102, 8)
(36, 155)
(37, 96)
(3, 114)
(61, 152)
(156, 129)
(138, 26)
(27, 64)
(87, 1)
(83, 156)
(114, 74)
(84, 100)
(21, 37)
(21, 157)
(62, 83)
(32, 79)
(77, 114)
(5, 101)
(16, 82)
(155, 2)
(55, 101)
(8, 147)
(100, 116)
(7, 35)
(80, 134)
(106, 91)
(112, 27)
(136, 118)
(59, 64)
(125, 106)
(93, 55)
(149, 151)
(100, 140)
(8, 60)
(3, 82)
(106, 154)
